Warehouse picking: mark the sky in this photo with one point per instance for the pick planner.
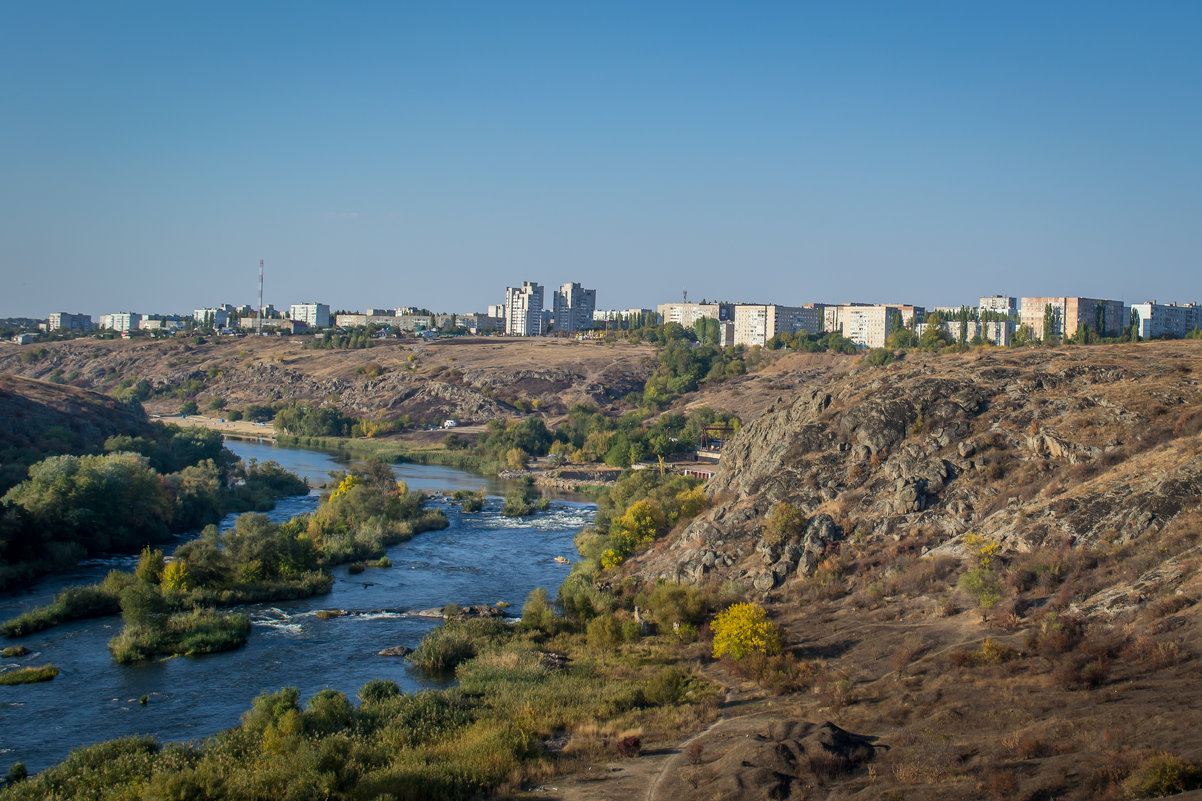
(381, 154)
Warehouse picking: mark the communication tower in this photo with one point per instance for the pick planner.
(259, 320)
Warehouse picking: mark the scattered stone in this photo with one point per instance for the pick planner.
(396, 650)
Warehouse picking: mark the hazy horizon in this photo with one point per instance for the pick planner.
(380, 156)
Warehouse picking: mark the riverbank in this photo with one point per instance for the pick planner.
(241, 429)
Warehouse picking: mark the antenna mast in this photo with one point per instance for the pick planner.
(686, 296)
(259, 322)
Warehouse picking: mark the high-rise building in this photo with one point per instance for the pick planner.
(755, 324)
(1165, 319)
(1002, 304)
(64, 321)
(870, 326)
(121, 321)
(524, 310)
(315, 315)
(688, 313)
(573, 307)
(1064, 316)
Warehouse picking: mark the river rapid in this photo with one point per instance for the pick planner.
(481, 558)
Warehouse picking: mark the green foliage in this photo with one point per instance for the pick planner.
(149, 632)
(455, 642)
(671, 605)
(604, 633)
(537, 614)
(878, 357)
(743, 630)
(983, 585)
(311, 421)
(785, 522)
(73, 603)
(523, 500)
(28, 675)
(378, 690)
(189, 407)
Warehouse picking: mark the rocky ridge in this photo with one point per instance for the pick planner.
(1074, 445)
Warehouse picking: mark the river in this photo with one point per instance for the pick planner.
(480, 559)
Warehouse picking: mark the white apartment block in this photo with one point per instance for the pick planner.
(218, 317)
(121, 321)
(1002, 304)
(574, 307)
(755, 325)
(1166, 319)
(992, 333)
(64, 321)
(314, 315)
(870, 326)
(688, 313)
(524, 310)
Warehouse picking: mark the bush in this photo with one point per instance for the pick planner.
(537, 614)
(784, 522)
(604, 633)
(744, 629)
(378, 690)
(1162, 775)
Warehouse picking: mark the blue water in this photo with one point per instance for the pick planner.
(480, 559)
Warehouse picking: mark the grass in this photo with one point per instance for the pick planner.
(73, 603)
(389, 451)
(201, 631)
(29, 675)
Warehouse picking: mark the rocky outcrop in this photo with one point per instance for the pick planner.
(1027, 447)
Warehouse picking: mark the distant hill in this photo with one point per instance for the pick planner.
(39, 419)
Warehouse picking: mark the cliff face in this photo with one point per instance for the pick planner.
(1082, 445)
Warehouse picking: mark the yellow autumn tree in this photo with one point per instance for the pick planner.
(742, 630)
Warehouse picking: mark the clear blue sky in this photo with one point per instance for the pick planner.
(398, 153)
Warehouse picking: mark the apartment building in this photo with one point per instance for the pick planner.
(524, 310)
(1165, 319)
(121, 321)
(870, 326)
(573, 307)
(217, 317)
(999, 333)
(1069, 314)
(688, 313)
(360, 320)
(756, 324)
(65, 321)
(314, 315)
(1001, 304)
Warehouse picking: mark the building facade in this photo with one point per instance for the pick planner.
(314, 315)
(121, 321)
(1154, 319)
(574, 307)
(870, 326)
(218, 317)
(1069, 314)
(688, 313)
(64, 321)
(755, 325)
(1000, 304)
(524, 310)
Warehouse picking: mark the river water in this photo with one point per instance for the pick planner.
(480, 559)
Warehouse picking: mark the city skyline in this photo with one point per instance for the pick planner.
(432, 156)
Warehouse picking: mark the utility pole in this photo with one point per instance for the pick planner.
(259, 323)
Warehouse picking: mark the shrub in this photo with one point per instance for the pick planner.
(784, 522)
(604, 633)
(537, 614)
(1162, 775)
(744, 629)
(378, 690)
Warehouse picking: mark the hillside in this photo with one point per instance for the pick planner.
(993, 577)
(473, 379)
(39, 418)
